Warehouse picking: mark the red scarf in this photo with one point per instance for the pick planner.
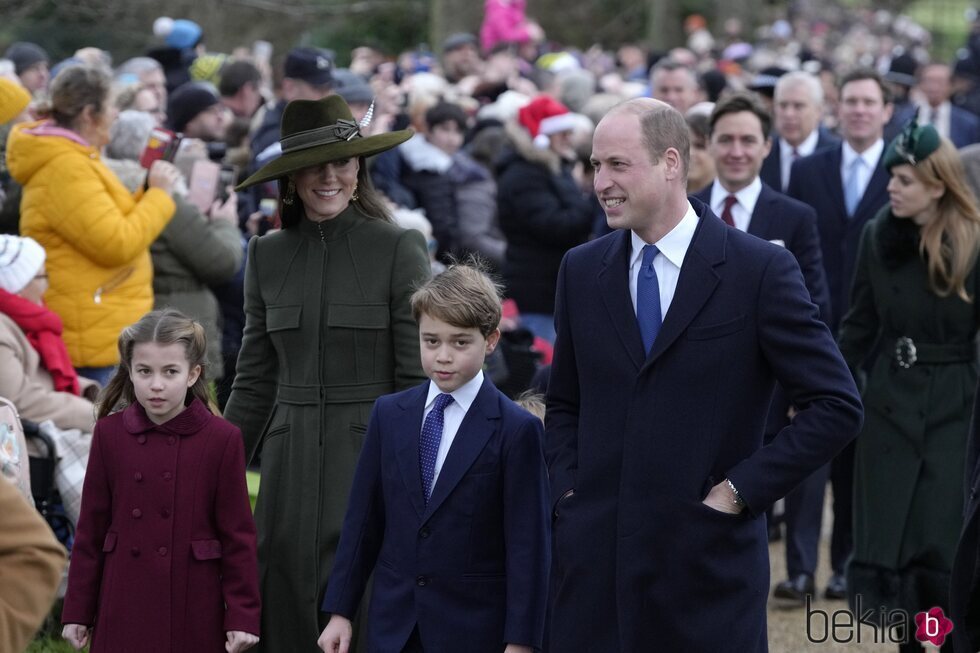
(43, 330)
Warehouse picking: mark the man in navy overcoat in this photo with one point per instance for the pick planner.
(658, 473)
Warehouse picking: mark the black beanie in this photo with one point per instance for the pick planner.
(188, 101)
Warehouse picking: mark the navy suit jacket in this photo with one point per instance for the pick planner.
(778, 217)
(964, 127)
(771, 168)
(642, 438)
(815, 180)
(470, 568)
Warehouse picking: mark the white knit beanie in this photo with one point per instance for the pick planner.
(20, 259)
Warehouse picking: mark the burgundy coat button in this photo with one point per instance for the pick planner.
(165, 513)
(138, 476)
(137, 513)
(171, 440)
(135, 552)
(167, 476)
(141, 439)
(162, 550)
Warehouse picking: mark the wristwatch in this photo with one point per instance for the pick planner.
(737, 500)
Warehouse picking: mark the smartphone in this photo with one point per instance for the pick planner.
(227, 177)
(162, 144)
(203, 184)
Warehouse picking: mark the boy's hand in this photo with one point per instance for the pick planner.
(76, 635)
(239, 641)
(335, 638)
(516, 648)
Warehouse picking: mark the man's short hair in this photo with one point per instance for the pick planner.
(801, 78)
(235, 75)
(446, 112)
(137, 66)
(464, 296)
(661, 127)
(669, 65)
(737, 103)
(862, 73)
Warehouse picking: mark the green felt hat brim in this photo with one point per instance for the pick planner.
(295, 161)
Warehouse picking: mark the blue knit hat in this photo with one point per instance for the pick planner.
(180, 33)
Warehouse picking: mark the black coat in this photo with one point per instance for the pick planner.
(964, 592)
(543, 213)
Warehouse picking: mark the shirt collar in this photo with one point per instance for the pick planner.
(464, 395)
(806, 148)
(747, 197)
(673, 245)
(870, 156)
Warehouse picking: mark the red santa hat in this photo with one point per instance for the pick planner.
(544, 116)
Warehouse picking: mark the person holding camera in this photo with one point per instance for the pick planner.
(202, 245)
(96, 233)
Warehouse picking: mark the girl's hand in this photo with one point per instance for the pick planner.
(76, 635)
(239, 641)
(336, 636)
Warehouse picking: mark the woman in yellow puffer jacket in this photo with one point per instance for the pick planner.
(96, 234)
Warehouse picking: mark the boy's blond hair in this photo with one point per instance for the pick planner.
(533, 402)
(464, 296)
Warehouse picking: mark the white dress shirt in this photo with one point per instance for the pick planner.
(942, 121)
(673, 248)
(806, 148)
(870, 157)
(452, 416)
(743, 207)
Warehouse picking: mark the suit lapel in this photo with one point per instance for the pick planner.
(874, 195)
(762, 214)
(480, 422)
(408, 428)
(834, 186)
(697, 280)
(614, 290)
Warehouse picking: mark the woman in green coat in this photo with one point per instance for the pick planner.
(328, 329)
(914, 296)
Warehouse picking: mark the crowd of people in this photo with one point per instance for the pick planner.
(291, 209)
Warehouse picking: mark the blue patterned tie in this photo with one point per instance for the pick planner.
(429, 442)
(648, 299)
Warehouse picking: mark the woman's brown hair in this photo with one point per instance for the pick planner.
(369, 201)
(165, 327)
(75, 88)
(949, 242)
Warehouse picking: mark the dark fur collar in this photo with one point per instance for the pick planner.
(898, 240)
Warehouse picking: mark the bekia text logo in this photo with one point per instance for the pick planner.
(880, 627)
(932, 627)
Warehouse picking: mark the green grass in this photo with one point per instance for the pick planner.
(50, 644)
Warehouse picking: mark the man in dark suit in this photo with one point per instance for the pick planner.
(846, 186)
(672, 332)
(738, 143)
(935, 88)
(797, 109)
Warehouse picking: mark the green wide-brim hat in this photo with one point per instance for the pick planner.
(318, 131)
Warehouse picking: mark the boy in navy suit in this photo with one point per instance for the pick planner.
(449, 504)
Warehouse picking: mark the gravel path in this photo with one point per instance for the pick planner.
(788, 627)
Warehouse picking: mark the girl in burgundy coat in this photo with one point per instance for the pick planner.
(164, 559)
